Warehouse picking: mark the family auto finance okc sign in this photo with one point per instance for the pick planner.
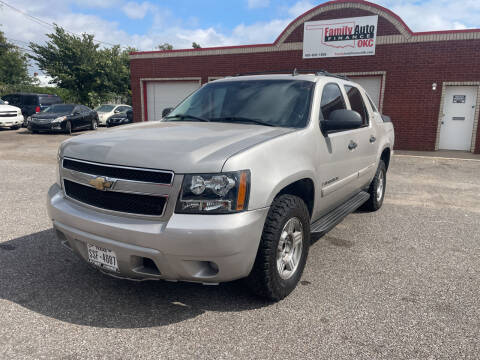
(340, 37)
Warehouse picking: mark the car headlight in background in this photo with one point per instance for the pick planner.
(59, 119)
(214, 193)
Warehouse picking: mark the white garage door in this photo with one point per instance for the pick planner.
(164, 94)
(372, 85)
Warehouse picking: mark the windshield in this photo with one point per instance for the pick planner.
(284, 103)
(104, 108)
(62, 108)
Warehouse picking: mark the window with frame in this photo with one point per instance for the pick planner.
(332, 99)
(356, 102)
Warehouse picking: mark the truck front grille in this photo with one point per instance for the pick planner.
(118, 172)
(116, 201)
(8, 113)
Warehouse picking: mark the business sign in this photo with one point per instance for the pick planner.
(340, 37)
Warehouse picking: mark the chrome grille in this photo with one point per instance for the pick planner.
(129, 190)
(8, 113)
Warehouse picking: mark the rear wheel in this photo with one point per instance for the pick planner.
(68, 128)
(377, 189)
(283, 249)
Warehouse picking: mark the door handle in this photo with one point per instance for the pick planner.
(353, 145)
(372, 139)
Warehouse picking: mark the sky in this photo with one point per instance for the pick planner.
(145, 24)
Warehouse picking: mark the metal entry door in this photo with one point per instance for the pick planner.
(457, 118)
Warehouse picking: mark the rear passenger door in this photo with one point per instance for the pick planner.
(367, 144)
(338, 162)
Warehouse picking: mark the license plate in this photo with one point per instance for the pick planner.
(101, 257)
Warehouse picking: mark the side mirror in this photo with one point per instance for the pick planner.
(166, 111)
(342, 119)
(116, 111)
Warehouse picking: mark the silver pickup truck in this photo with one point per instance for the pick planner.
(230, 184)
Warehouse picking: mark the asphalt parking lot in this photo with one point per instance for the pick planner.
(402, 283)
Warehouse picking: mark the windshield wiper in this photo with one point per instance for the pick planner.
(187, 116)
(241, 120)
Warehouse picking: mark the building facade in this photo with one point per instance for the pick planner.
(428, 82)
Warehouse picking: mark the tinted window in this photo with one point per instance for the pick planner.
(284, 103)
(104, 108)
(356, 102)
(84, 108)
(122, 108)
(30, 100)
(13, 99)
(332, 99)
(374, 107)
(61, 108)
(49, 100)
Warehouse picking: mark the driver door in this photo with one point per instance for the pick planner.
(338, 160)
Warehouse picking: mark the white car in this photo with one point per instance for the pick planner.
(106, 110)
(10, 116)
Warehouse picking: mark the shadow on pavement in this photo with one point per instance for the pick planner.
(37, 273)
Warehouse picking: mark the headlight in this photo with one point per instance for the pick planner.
(59, 119)
(214, 193)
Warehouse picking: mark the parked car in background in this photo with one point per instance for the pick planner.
(31, 103)
(106, 110)
(122, 118)
(64, 118)
(10, 116)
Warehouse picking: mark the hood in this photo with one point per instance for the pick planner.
(46, 116)
(9, 108)
(183, 147)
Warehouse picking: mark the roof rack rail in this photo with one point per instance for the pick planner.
(296, 72)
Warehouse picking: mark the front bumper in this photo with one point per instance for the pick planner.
(47, 126)
(182, 248)
(11, 121)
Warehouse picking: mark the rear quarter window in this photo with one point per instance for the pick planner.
(30, 100)
(49, 100)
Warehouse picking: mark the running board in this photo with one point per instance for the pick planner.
(328, 222)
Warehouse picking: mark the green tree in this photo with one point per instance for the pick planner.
(13, 64)
(196, 46)
(165, 46)
(78, 64)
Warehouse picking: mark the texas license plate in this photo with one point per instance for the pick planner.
(103, 258)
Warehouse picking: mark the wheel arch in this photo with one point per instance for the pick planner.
(385, 156)
(303, 187)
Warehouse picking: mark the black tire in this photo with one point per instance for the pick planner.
(93, 125)
(34, 131)
(264, 279)
(16, 127)
(68, 128)
(375, 202)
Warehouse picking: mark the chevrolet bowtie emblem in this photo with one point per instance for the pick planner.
(100, 183)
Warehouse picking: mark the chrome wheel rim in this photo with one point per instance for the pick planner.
(381, 182)
(290, 247)
(94, 125)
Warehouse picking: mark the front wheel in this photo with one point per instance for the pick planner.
(283, 249)
(377, 189)
(68, 128)
(93, 125)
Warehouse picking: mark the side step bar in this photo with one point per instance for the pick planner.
(328, 221)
